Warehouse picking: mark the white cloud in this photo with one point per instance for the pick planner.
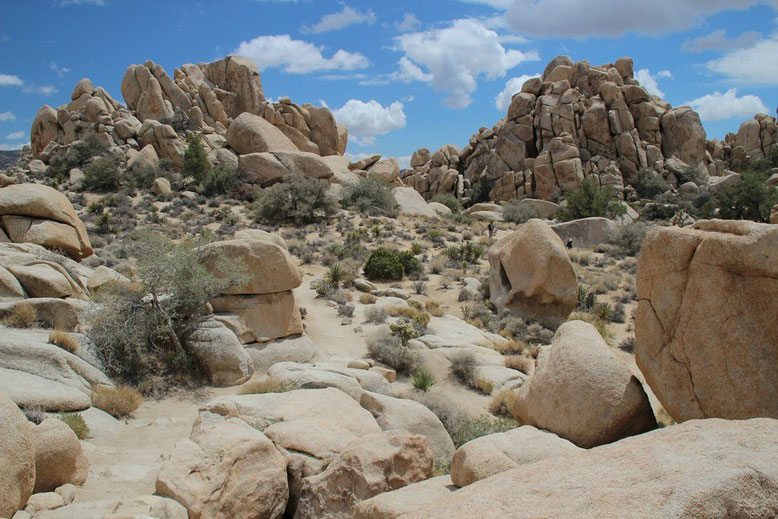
(11, 147)
(296, 56)
(45, 90)
(513, 85)
(648, 82)
(718, 106)
(366, 121)
(664, 74)
(404, 161)
(15, 136)
(497, 4)
(100, 3)
(613, 18)
(408, 23)
(717, 40)
(60, 71)
(7, 116)
(755, 65)
(9, 80)
(343, 18)
(455, 57)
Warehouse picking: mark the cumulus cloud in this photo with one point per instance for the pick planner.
(718, 40)
(408, 23)
(648, 82)
(366, 121)
(296, 56)
(7, 116)
(9, 80)
(718, 106)
(513, 85)
(15, 136)
(452, 59)
(60, 71)
(342, 19)
(665, 74)
(613, 18)
(755, 65)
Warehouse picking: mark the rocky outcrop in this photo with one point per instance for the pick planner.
(59, 459)
(17, 464)
(582, 391)
(410, 202)
(227, 470)
(652, 475)
(531, 274)
(368, 466)
(705, 328)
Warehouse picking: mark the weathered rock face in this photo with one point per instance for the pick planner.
(410, 202)
(586, 232)
(651, 475)
(495, 453)
(219, 350)
(270, 167)
(582, 392)
(367, 467)
(34, 213)
(250, 133)
(705, 329)
(227, 470)
(391, 505)
(17, 464)
(755, 139)
(59, 458)
(531, 274)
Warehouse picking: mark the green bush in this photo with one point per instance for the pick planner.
(589, 200)
(630, 237)
(103, 175)
(77, 156)
(384, 265)
(370, 196)
(516, 213)
(404, 330)
(649, 184)
(138, 330)
(389, 350)
(196, 162)
(449, 201)
(297, 200)
(471, 429)
(479, 191)
(750, 198)
(77, 423)
(222, 181)
(410, 263)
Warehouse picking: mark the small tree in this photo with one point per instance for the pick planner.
(750, 198)
(195, 158)
(296, 200)
(589, 200)
(370, 196)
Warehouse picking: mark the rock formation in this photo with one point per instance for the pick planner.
(705, 328)
(17, 463)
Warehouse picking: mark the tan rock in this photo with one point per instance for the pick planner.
(586, 232)
(44, 501)
(259, 234)
(145, 159)
(59, 458)
(386, 170)
(135, 508)
(250, 133)
(391, 505)
(221, 353)
(17, 464)
(268, 316)
(683, 135)
(410, 202)
(227, 470)
(705, 328)
(531, 274)
(367, 467)
(582, 391)
(488, 455)
(42, 280)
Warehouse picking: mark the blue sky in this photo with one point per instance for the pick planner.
(403, 74)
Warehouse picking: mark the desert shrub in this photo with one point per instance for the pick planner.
(76, 423)
(389, 349)
(370, 196)
(649, 184)
(139, 329)
(367, 299)
(628, 345)
(341, 296)
(222, 181)
(64, 340)
(196, 162)
(468, 252)
(22, 315)
(417, 316)
(416, 248)
(630, 237)
(471, 429)
(519, 363)
(335, 275)
(119, 401)
(404, 330)
(517, 213)
(501, 403)
(420, 287)
(77, 156)
(297, 200)
(34, 414)
(266, 385)
(586, 298)
(103, 175)
(479, 190)
(384, 265)
(345, 310)
(463, 367)
(618, 315)
(449, 201)
(423, 380)
(588, 200)
(690, 174)
(376, 314)
(750, 198)
(433, 308)
(600, 325)
(484, 386)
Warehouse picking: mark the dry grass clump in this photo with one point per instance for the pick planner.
(513, 347)
(65, 341)
(484, 386)
(519, 363)
(266, 385)
(599, 324)
(76, 423)
(463, 367)
(502, 403)
(376, 314)
(119, 401)
(409, 312)
(22, 315)
(367, 299)
(433, 308)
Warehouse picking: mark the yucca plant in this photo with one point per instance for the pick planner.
(335, 275)
(423, 380)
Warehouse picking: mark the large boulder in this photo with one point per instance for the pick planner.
(227, 470)
(367, 467)
(410, 202)
(386, 170)
(659, 474)
(683, 135)
(17, 464)
(582, 391)
(250, 133)
(531, 275)
(221, 353)
(399, 413)
(263, 317)
(48, 218)
(494, 453)
(391, 505)
(270, 167)
(29, 390)
(586, 232)
(59, 458)
(296, 349)
(705, 329)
